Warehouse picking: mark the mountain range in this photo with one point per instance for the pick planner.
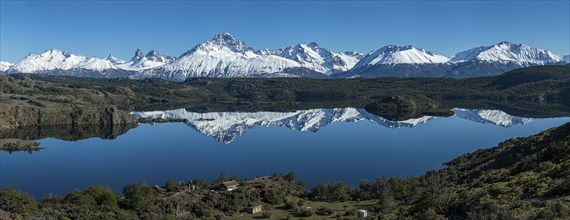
(224, 127)
(226, 56)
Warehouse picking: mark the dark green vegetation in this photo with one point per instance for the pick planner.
(398, 108)
(523, 178)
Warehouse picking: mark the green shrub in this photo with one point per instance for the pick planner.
(306, 213)
(266, 215)
(325, 211)
(137, 196)
(291, 205)
(103, 195)
(12, 200)
(171, 185)
(79, 198)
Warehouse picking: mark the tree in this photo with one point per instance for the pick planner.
(290, 177)
(17, 202)
(103, 195)
(78, 198)
(290, 205)
(302, 184)
(137, 196)
(171, 185)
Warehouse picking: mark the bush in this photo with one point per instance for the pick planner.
(78, 198)
(103, 195)
(555, 210)
(290, 177)
(291, 205)
(325, 211)
(351, 212)
(306, 213)
(171, 185)
(266, 215)
(137, 196)
(12, 200)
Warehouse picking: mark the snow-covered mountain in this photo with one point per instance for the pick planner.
(316, 58)
(57, 62)
(226, 126)
(114, 60)
(223, 56)
(496, 117)
(226, 56)
(54, 59)
(5, 66)
(142, 62)
(392, 55)
(499, 58)
(400, 61)
(566, 58)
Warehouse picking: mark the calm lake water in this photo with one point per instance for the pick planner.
(319, 145)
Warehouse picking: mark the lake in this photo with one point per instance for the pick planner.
(319, 145)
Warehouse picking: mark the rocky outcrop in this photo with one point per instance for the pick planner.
(18, 115)
(404, 107)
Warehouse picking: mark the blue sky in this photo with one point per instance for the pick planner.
(97, 28)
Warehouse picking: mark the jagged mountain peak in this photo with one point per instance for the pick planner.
(142, 62)
(53, 53)
(114, 59)
(507, 52)
(138, 55)
(224, 37)
(314, 57)
(224, 41)
(395, 54)
(152, 53)
(155, 56)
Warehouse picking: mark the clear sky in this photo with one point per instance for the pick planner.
(98, 28)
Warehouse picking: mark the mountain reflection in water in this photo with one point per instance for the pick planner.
(226, 126)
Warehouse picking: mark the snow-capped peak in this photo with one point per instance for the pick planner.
(51, 59)
(222, 56)
(138, 55)
(5, 66)
(393, 54)
(316, 58)
(505, 52)
(224, 41)
(566, 58)
(141, 62)
(153, 55)
(114, 59)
